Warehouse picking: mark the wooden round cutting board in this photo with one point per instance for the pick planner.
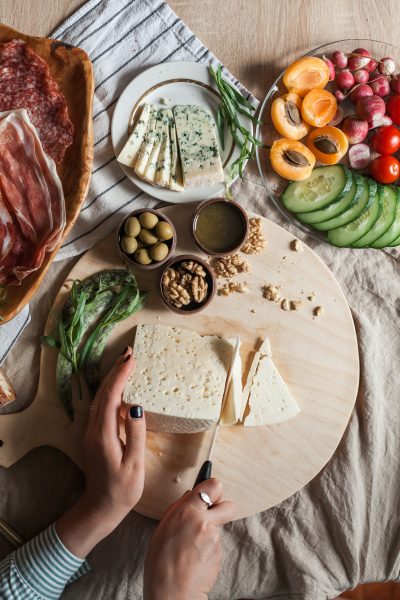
(259, 466)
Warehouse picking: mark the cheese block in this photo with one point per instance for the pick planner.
(151, 167)
(148, 143)
(233, 405)
(129, 152)
(179, 378)
(270, 400)
(198, 148)
(175, 180)
(163, 171)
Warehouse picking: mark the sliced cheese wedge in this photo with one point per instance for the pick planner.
(198, 147)
(147, 144)
(179, 378)
(233, 405)
(130, 151)
(270, 400)
(249, 381)
(151, 167)
(163, 172)
(175, 180)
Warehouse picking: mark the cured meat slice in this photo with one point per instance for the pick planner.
(32, 210)
(26, 82)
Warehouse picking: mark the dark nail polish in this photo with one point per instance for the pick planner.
(136, 411)
(126, 349)
(127, 358)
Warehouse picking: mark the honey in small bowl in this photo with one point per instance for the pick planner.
(219, 226)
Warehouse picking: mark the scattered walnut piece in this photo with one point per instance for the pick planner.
(256, 241)
(296, 245)
(252, 310)
(296, 304)
(177, 479)
(231, 287)
(226, 267)
(272, 292)
(318, 311)
(193, 267)
(285, 304)
(199, 288)
(311, 297)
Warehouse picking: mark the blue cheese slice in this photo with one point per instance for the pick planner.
(163, 172)
(179, 378)
(198, 148)
(130, 151)
(270, 400)
(151, 167)
(148, 143)
(175, 180)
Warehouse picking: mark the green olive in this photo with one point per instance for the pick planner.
(148, 220)
(132, 227)
(129, 244)
(159, 251)
(142, 256)
(147, 237)
(164, 231)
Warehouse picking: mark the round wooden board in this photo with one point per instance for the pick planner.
(317, 356)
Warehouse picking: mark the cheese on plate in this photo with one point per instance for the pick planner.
(179, 377)
(270, 400)
(198, 147)
(151, 167)
(148, 143)
(130, 151)
(163, 172)
(175, 181)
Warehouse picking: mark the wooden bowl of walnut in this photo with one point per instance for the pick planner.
(187, 284)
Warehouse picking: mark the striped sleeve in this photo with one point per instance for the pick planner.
(40, 569)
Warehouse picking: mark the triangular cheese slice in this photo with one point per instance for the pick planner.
(249, 381)
(233, 404)
(270, 400)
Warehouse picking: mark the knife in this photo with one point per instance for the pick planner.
(206, 468)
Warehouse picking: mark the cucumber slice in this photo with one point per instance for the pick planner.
(320, 189)
(350, 233)
(387, 198)
(333, 209)
(393, 232)
(366, 190)
(395, 243)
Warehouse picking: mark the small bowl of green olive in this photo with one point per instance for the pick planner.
(146, 238)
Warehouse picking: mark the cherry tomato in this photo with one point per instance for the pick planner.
(385, 169)
(393, 109)
(386, 140)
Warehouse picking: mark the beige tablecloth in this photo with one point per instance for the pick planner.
(340, 530)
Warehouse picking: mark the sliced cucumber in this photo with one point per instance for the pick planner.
(320, 189)
(366, 190)
(333, 209)
(388, 201)
(395, 243)
(393, 232)
(350, 233)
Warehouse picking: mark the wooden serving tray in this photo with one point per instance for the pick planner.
(259, 466)
(72, 70)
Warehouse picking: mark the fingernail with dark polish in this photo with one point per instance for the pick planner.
(127, 358)
(126, 350)
(136, 412)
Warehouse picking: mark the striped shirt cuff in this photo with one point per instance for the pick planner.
(47, 565)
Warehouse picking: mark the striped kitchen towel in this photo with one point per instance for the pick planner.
(122, 37)
(10, 332)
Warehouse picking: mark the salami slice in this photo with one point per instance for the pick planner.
(26, 82)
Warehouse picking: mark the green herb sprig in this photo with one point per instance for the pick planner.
(232, 103)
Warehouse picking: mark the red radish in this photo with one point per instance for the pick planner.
(338, 118)
(371, 66)
(360, 91)
(331, 68)
(359, 156)
(339, 59)
(361, 76)
(370, 108)
(339, 95)
(383, 121)
(356, 62)
(355, 129)
(361, 51)
(380, 85)
(345, 80)
(395, 83)
(387, 66)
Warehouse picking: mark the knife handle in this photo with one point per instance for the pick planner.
(204, 473)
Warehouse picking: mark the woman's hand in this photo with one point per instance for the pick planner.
(184, 556)
(114, 471)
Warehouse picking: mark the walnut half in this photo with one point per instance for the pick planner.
(226, 267)
(256, 241)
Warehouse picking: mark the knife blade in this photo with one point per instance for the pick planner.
(206, 468)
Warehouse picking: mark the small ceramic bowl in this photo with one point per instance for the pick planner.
(193, 307)
(229, 249)
(129, 258)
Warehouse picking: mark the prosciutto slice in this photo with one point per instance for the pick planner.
(32, 208)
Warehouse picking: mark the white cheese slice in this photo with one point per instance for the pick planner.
(151, 167)
(179, 378)
(175, 181)
(249, 381)
(163, 172)
(129, 152)
(198, 147)
(270, 400)
(147, 144)
(233, 405)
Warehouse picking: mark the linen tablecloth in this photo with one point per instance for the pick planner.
(341, 529)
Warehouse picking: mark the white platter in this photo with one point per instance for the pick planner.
(181, 83)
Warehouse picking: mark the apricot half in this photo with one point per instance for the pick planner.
(306, 74)
(328, 144)
(318, 108)
(291, 159)
(286, 117)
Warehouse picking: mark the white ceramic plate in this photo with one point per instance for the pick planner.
(182, 83)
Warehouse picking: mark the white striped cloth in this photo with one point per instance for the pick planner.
(40, 569)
